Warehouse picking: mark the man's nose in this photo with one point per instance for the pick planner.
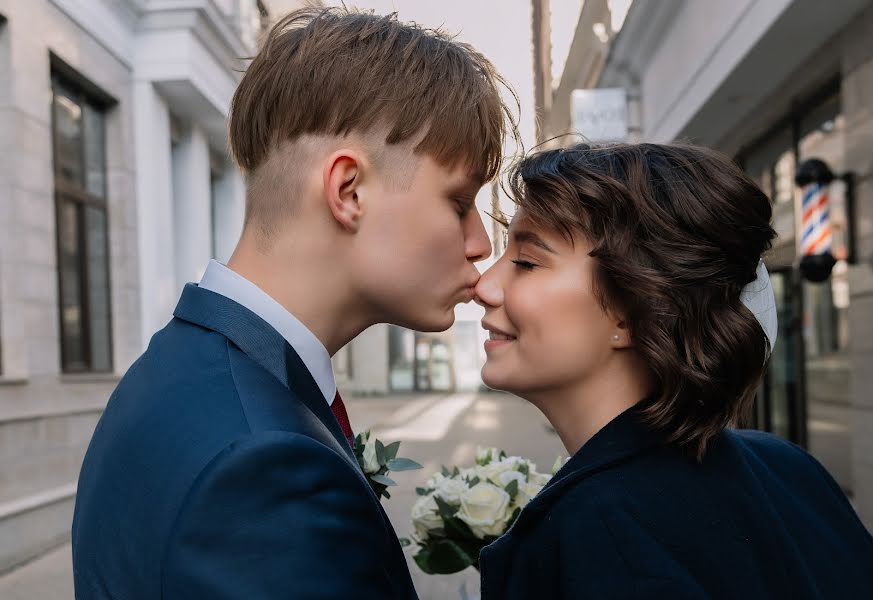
(477, 245)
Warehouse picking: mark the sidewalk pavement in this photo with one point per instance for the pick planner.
(49, 577)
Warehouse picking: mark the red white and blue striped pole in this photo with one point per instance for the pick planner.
(817, 235)
(816, 239)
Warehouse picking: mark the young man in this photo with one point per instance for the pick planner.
(222, 466)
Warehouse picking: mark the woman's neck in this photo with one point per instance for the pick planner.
(578, 411)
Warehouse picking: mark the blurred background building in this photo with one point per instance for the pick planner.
(115, 190)
(772, 83)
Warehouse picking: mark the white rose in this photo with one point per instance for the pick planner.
(450, 489)
(559, 462)
(507, 477)
(540, 479)
(470, 472)
(526, 494)
(425, 516)
(485, 455)
(371, 464)
(485, 508)
(492, 470)
(434, 481)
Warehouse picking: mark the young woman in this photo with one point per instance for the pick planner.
(620, 310)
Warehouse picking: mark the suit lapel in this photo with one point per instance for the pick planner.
(300, 380)
(263, 344)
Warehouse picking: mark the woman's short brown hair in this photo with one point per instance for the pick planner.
(334, 71)
(677, 232)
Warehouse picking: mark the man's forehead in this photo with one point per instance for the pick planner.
(461, 175)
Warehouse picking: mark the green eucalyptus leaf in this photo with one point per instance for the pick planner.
(422, 491)
(391, 450)
(380, 453)
(402, 464)
(383, 480)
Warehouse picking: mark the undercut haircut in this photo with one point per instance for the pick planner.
(337, 71)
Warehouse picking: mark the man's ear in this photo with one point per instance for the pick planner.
(342, 179)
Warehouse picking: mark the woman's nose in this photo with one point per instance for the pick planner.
(489, 291)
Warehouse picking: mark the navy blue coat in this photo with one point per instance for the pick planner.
(631, 517)
(218, 471)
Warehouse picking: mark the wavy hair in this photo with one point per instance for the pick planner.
(677, 232)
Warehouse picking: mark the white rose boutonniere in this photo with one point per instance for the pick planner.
(377, 459)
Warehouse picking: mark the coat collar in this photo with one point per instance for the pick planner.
(620, 440)
(263, 344)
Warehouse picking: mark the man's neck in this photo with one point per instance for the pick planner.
(317, 296)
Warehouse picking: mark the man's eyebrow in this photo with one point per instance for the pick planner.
(525, 236)
(466, 185)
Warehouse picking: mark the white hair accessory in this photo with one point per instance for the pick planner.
(759, 298)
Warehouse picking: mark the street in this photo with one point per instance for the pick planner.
(434, 430)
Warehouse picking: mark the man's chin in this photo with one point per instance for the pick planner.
(432, 323)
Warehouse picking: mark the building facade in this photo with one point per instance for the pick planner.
(772, 83)
(115, 190)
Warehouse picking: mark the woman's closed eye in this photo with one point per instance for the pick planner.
(523, 264)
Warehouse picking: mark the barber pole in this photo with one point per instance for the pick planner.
(813, 179)
(817, 234)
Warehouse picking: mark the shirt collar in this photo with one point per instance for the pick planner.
(230, 284)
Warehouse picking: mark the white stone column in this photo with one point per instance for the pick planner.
(192, 207)
(154, 196)
(230, 207)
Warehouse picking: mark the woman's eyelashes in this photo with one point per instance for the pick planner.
(525, 265)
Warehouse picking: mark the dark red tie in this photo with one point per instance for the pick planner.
(342, 417)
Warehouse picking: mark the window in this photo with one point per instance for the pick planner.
(79, 144)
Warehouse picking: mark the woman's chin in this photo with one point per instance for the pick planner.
(495, 380)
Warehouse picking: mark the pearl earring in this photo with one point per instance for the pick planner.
(615, 338)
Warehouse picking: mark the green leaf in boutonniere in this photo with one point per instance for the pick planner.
(402, 464)
(391, 452)
(377, 460)
(386, 481)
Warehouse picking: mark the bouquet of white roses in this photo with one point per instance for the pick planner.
(461, 511)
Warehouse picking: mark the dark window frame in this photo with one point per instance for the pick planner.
(66, 191)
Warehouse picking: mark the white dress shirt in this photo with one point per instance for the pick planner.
(222, 280)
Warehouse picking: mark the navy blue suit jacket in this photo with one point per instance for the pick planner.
(631, 517)
(219, 471)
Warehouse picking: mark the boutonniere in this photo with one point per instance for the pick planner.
(377, 460)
